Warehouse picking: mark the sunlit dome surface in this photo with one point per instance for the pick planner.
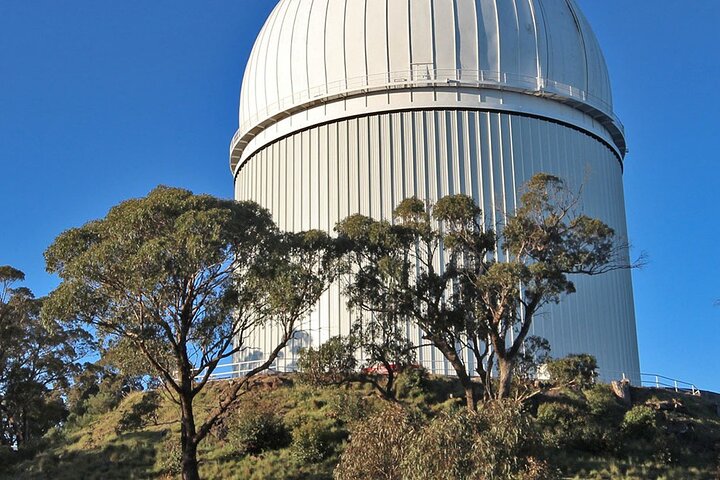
(310, 50)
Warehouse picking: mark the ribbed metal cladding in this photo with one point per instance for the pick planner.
(316, 177)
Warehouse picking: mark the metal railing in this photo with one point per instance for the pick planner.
(653, 380)
(425, 77)
(235, 370)
(230, 371)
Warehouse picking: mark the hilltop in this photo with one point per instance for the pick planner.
(284, 429)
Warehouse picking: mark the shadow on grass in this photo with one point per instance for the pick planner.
(130, 456)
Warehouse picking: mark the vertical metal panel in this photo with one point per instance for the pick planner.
(316, 58)
(368, 164)
(355, 48)
(421, 32)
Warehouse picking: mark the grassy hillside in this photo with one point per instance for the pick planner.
(287, 430)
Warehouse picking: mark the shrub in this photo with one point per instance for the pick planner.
(574, 370)
(507, 442)
(603, 403)
(640, 422)
(332, 363)
(347, 407)
(252, 430)
(566, 425)
(311, 442)
(111, 390)
(413, 381)
(444, 448)
(496, 442)
(493, 443)
(141, 413)
(378, 445)
(170, 456)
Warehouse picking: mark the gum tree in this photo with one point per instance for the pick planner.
(185, 280)
(467, 286)
(37, 361)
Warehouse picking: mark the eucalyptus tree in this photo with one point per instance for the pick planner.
(374, 255)
(37, 361)
(471, 287)
(543, 244)
(394, 273)
(186, 280)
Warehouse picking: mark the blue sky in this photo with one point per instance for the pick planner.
(103, 100)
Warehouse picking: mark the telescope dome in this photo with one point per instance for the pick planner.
(315, 51)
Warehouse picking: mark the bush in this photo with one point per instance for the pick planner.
(252, 431)
(347, 407)
(496, 442)
(170, 456)
(566, 425)
(413, 381)
(603, 403)
(574, 370)
(640, 422)
(111, 390)
(444, 448)
(505, 447)
(378, 445)
(332, 363)
(311, 443)
(141, 413)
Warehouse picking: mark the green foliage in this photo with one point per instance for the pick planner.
(252, 431)
(37, 361)
(93, 450)
(378, 445)
(170, 457)
(412, 382)
(348, 407)
(179, 278)
(332, 363)
(603, 403)
(311, 442)
(394, 278)
(578, 370)
(640, 422)
(142, 413)
(495, 442)
(445, 448)
(566, 425)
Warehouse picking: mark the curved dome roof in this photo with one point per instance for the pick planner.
(311, 50)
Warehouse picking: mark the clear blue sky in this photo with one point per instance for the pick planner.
(102, 100)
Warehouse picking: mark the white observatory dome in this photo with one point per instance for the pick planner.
(314, 52)
(351, 106)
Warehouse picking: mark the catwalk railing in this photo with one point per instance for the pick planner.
(425, 76)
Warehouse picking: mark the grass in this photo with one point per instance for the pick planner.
(683, 441)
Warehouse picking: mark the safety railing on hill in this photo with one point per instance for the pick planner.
(235, 370)
(230, 371)
(653, 380)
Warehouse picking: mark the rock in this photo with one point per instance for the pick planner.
(621, 389)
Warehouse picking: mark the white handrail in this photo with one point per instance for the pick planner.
(234, 370)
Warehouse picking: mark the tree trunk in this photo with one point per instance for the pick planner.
(187, 440)
(505, 381)
(471, 399)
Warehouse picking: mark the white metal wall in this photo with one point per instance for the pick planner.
(316, 177)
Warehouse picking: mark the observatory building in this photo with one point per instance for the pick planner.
(350, 106)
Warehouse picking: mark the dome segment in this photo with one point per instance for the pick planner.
(313, 53)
